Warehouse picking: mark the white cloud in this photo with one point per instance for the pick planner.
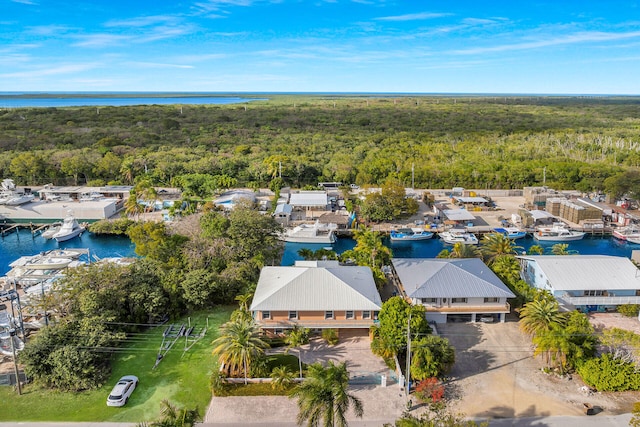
(50, 71)
(48, 30)
(100, 40)
(413, 17)
(142, 21)
(583, 37)
(29, 2)
(158, 65)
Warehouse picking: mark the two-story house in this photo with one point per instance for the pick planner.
(584, 282)
(461, 289)
(316, 295)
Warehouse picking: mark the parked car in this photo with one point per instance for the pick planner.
(487, 318)
(119, 396)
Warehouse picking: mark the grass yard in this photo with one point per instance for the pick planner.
(183, 380)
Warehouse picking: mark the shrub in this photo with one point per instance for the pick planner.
(608, 374)
(330, 336)
(430, 390)
(629, 310)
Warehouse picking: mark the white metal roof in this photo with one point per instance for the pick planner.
(472, 199)
(309, 198)
(316, 287)
(450, 278)
(458, 215)
(283, 208)
(587, 272)
(538, 214)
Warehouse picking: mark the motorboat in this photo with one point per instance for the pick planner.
(634, 240)
(50, 231)
(47, 263)
(20, 199)
(458, 235)
(625, 233)
(90, 197)
(409, 234)
(512, 233)
(311, 233)
(69, 229)
(9, 195)
(557, 233)
(6, 347)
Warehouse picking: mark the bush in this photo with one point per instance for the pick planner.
(609, 374)
(330, 336)
(629, 310)
(107, 226)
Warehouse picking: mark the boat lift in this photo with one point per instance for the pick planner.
(169, 337)
(192, 335)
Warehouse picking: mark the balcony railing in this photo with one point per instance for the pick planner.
(602, 300)
(317, 324)
(467, 308)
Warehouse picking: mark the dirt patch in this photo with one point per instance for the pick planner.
(496, 376)
(614, 320)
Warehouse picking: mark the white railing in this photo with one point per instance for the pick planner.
(612, 300)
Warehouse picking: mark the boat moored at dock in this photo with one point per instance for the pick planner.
(311, 233)
(626, 233)
(69, 229)
(409, 234)
(557, 233)
(458, 235)
(512, 233)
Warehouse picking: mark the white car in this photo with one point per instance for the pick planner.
(122, 390)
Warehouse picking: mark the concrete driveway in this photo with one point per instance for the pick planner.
(381, 404)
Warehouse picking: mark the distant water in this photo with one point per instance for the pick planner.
(15, 245)
(431, 248)
(69, 100)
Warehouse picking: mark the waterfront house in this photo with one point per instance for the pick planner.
(316, 295)
(584, 282)
(452, 289)
(308, 205)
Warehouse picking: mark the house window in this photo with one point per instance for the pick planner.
(595, 293)
(375, 315)
(366, 314)
(278, 331)
(492, 299)
(349, 314)
(328, 315)
(293, 315)
(429, 300)
(458, 300)
(638, 292)
(266, 315)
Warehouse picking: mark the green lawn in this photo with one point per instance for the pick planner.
(183, 380)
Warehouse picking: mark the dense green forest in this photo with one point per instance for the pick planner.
(474, 142)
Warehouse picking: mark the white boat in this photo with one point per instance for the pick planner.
(5, 343)
(47, 263)
(9, 195)
(89, 197)
(557, 233)
(50, 231)
(409, 234)
(625, 233)
(311, 233)
(20, 199)
(69, 229)
(635, 240)
(458, 235)
(512, 233)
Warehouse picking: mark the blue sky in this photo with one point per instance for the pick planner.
(560, 46)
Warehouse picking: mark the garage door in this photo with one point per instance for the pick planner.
(458, 318)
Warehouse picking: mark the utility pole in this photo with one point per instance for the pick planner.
(413, 176)
(408, 371)
(12, 335)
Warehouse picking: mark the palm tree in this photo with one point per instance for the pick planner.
(560, 249)
(171, 416)
(497, 245)
(295, 338)
(323, 398)
(281, 377)
(306, 253)
(460, 250)
(132, 207)
(556, 346)
(238, 345)
(541, 315)
(536, 250)
(242, 313)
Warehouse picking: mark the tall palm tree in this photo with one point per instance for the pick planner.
(132, 207)
(557, 347)
(295, 338)
(238, 345)
(541, 315)
(281, 377)
(496, 245)
(460, 250)
(323, 398)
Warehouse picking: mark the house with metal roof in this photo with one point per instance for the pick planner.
(309, 204)
(316, 295)
(452, 289)
(584, 282)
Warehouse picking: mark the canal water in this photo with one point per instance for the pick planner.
(22, 243)
(17, 244)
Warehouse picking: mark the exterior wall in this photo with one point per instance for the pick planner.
(315, 319)
(436, 317)
(473, 305)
